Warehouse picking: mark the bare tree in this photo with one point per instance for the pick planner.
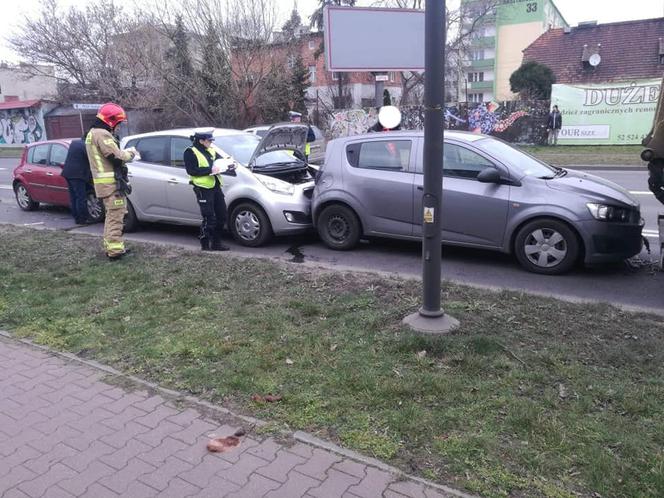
(78, 45)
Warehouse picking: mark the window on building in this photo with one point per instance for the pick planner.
(392, 76)
(312, 44)
(291, 61)
(336, 76)
(475, 77)
(477, 55)
(312, 75)
(475, 97)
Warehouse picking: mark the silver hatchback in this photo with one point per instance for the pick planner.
(494, 197)
(270, 193)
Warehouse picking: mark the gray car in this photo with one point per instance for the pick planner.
(270, 193)
(494, 197)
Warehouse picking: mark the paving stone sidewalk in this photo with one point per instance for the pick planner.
(66, 430)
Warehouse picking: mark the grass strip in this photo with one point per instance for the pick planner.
(530, 397)
(588, 155)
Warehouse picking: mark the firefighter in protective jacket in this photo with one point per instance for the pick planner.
(109, 174)
(204, 174)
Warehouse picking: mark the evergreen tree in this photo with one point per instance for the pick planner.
(532, 81)
(181, 69)
(299, 85)
(273, 97)
(216, 81)
(291, 27)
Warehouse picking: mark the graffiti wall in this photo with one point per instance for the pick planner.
(21, 126)
(513, 121)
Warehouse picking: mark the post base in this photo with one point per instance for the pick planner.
(435, 325)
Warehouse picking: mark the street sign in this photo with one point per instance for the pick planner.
(382, 77)
(374, 39)
(87, 107)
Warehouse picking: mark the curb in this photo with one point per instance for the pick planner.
(299, 436)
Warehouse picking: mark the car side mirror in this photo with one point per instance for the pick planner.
(489, 175)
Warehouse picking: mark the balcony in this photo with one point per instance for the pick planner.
(480, 85)
(481, 64)
(484, 42)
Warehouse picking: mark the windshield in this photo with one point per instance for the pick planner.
(518, 161)
(241, 147)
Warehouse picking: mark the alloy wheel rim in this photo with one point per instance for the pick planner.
(247, 225)
(545, 247)
(22, 196)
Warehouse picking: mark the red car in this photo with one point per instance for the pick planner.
(38, 178)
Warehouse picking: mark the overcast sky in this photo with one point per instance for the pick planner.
(574, 12)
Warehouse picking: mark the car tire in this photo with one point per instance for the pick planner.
(546, 246)
(249, 225)
(96, 212)
(130, 220)
(23, 199)
(339, 227)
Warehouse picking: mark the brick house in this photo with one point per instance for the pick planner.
(599, 53)
(327, 90)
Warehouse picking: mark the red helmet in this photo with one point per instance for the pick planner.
(112, 114)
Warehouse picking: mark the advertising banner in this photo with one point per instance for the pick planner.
(606, 114)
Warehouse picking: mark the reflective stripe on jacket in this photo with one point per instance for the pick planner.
(101, 146)
(207, 181)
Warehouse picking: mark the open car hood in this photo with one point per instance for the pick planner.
(287, 136)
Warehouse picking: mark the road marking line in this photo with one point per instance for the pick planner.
(6, 187)
(30, 224)
(640, 192)
(3, 169)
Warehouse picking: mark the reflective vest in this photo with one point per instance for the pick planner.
(206, 181)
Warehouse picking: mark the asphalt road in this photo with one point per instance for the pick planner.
(622, 284)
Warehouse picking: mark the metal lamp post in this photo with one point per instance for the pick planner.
(431, 318)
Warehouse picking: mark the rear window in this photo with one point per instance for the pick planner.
(38, 154)
(380, 154)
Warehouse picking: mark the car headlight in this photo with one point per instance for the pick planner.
(603, 212)
(276, 185)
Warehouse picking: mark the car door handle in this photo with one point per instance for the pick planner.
(420, 188)
(49, 174)
(173, 181)
(28, 170)
(129, 175)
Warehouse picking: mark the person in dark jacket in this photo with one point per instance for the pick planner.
(554, 124)
(204, 175)
(79, 179)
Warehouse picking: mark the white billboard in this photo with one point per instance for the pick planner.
(373, 39)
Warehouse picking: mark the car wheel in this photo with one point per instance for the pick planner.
(546, 246)
(23, 198)
(339, 227)
(250, 225)
(95, 208)
(130, 220)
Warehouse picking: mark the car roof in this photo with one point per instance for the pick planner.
(462, 136)
(260, 127)
(66, 141)
(185, 132)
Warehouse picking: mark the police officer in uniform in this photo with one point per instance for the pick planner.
(107, 165)
(199, 161)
